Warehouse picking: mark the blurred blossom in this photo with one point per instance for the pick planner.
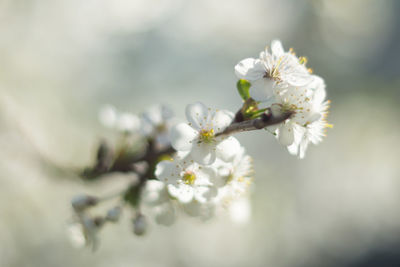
(108, 116)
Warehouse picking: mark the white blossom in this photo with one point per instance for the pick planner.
(199, 136)
(203, 211)
(235, 176)
(187, 180)
(110, 117)
(308, 120)
(156, 123)
(128, 122)
(272, 71)
(313, 132)
(156, 197)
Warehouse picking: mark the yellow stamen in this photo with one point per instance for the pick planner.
(303, 60)
(207, 136)
(189, 178)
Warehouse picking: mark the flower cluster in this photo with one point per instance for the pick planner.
(154, 123)
(282, 81)
(197, 167)
(208, 170)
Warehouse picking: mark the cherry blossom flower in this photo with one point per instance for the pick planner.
(200, 135)
(272, 71)
(156, 123)
(308, 120)
(155, 196)
(187, 180)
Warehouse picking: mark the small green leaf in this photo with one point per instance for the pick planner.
(243, 87)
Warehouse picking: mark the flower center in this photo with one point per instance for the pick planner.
(287, 107)
(189, 178)
(274, 73)
(206, 136)
(161, 128)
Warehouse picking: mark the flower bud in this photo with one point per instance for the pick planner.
(114, 214)
(81, 202)
(140, 225)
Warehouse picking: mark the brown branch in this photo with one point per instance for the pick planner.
(267, 119)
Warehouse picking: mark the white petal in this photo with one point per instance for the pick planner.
(221, 120)
(154, 115)
(166, 113)
(277, 48)
(203, 153)
(250, 69)
(197, 115)
(286, 134)
(182, 136)
(204, 175)
(228, 149)
(303, 147)
(184, 193)
(297, 79)
(318, 85)
(128, 122)
(202, 194)
(192, 208)
(146, 128)
(166, 171)
(262, 90)
(108, 116)
(293, 149)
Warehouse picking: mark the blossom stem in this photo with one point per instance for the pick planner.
(267, 119)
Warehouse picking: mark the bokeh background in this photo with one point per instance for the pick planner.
(60, 61)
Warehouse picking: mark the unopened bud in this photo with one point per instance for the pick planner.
(114, 214)
(276, 110)
(140, 225)
(81, 202)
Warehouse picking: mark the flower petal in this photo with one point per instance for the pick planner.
(262, 90)
(202, 194)
(184, 193)
(297, 79)
(203, 153)
(286, 134)
(128, 122)
(221, 120)
(166, 171)
(250, 69)
(182, 136)
(197, 115)
(277, 48)
(108, 116)
(205, 175)
(228, 149)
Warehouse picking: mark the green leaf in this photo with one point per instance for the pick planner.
(243, 87)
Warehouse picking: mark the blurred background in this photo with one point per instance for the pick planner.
(62, 60)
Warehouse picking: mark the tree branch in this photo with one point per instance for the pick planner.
(267, 119)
